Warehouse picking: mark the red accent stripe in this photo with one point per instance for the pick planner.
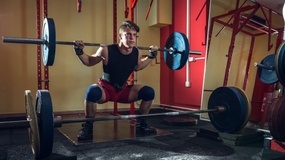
(39, 58)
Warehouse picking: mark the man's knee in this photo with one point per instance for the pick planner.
(146, 93)
(93, 93)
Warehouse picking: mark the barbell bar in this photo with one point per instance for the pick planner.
(176, 50)
(44, 42)
(228, 110)
(58, 120)
(264, 66)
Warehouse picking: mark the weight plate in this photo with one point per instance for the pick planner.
(33, 131)
(49, 35)
(248, 105)
(272, 118)
(45, 119)
(265, 75)
(276, 119)
(280, 63)
(281, 120)
(235, 114)
(275, 115)
(178, 42)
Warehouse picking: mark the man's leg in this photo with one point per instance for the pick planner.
(145, 107)
(93, 95)
(90, 109)
(146, 94)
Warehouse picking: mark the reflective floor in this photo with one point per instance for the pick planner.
(117, 140)
(106, 131)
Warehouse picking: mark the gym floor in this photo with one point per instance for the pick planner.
(173, 141)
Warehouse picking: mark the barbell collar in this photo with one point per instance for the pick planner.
(264, 66)
(23, 40)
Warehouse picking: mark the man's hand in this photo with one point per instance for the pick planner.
(152, 52)
(78, 47)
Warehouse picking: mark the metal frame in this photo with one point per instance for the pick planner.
(238, 19)
(39, 53)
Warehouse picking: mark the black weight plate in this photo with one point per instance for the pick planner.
(248, 105)
(280, 63)
(265, 75)
(234, 117)
(45, 118)
(49, 35)
(281, 120)
(279, 133)
(178, 42)
(272, 118)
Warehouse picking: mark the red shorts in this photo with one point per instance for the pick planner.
(113, 95)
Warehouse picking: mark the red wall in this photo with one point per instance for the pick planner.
(172, 83)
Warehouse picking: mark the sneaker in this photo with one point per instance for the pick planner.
(143, 127)
(85, 133)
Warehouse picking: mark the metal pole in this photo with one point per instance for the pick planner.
(72, 43)
(45, 42)
(23, 40)
(264, 66)
(58, 121)
(14, 124)
(134, 116)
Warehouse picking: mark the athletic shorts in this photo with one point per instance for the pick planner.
(113, 95)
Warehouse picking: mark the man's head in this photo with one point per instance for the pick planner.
(129, 25)
(128, 33)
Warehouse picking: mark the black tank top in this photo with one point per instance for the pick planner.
(120, 66)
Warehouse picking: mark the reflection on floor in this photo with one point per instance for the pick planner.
(105, 131)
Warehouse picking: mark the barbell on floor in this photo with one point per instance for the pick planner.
(228, 110)
(176, 50)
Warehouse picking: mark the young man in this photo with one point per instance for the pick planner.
(119, 61)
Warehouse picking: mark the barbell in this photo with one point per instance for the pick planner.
(228, 110)
(176, 50)
(272, 67)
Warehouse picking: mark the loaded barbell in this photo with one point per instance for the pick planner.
(266, 70)
(176, 50)
(272, 67)
(228, 110)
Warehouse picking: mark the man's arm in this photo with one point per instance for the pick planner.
(85, 58)
(144, 62)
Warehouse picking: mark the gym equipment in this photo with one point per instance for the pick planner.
(271, 69)
(176, 49)
(280, 63)
(266, 70)
(276, 115)
(228, 109)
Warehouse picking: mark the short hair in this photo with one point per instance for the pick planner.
(129, 24)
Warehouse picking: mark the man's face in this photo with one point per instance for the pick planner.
(128, 38)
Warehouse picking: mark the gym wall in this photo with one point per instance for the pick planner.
(68, 77)
(173, 88)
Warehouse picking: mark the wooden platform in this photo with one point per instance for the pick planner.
(106, 131)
